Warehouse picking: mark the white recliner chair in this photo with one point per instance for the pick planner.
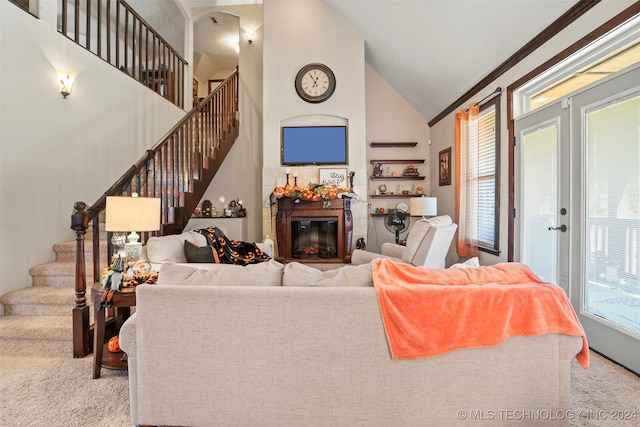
(427, 245)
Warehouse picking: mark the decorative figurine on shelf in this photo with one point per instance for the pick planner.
(206, 208)
(112, 282)
(241, 212)
(410, 171)
(377, 169)
(114, 345)
(233, 208)
(351, 176)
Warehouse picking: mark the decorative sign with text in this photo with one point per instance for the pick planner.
(334, 177)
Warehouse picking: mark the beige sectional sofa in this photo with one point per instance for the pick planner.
(310, 351)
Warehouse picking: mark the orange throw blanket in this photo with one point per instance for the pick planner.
(427, 312)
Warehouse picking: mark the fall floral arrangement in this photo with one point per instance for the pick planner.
(312, 192)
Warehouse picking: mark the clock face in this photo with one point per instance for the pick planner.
(315, 83)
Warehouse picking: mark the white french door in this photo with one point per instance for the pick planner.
(542, 193)
(605, 124)
(578, 207)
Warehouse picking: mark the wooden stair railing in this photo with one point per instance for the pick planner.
(114, 31)
(178, 170)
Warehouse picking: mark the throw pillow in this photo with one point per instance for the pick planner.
(198, 254)
(470, 263)
(298, 274)
(262, 274)
(170, 248)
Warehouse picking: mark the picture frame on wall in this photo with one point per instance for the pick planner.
(195, 87)
(444, 167)
(334, 176)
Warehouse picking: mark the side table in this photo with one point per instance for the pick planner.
(122, 302)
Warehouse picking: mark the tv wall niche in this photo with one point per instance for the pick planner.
(314, 145)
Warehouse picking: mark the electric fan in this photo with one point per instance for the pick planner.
(394, 221)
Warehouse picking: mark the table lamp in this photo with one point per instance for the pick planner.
(132, 214)
(423, 206)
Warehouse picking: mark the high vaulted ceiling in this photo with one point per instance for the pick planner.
(433, 51)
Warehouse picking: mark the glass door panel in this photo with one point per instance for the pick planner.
(605, 279)
(539, 207)
(612, 222)
(542, 193)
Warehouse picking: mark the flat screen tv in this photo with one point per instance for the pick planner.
(314, 145)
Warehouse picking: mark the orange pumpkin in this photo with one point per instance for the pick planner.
(114, 345)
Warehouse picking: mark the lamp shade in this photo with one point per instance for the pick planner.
(132, 214)
(423, 206)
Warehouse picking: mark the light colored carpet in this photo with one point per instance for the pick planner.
(43, 386)
(604, 395)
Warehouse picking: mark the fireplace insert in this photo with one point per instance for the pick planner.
(314, 231)
(314, 237)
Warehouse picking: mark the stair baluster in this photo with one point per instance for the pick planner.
(178, 169)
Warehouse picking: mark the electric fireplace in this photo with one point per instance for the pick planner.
(309, 231)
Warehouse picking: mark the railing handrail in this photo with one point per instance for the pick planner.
(153, 30)
(177, 169)
(121, 183)
(135, 42)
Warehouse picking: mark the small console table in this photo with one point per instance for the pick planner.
(122, 302)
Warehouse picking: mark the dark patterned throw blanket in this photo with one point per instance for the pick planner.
(227, 251)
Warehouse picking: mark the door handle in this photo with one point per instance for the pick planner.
(562, 228)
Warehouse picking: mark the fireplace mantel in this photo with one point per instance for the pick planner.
(326, 218)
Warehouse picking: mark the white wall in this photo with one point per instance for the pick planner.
(54, 152)
(442, 133)
(291, 40)
(240, 176)
(390, 118)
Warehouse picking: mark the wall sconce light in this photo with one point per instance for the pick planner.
(250, 35)
(65, 80)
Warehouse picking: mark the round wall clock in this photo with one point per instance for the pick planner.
(315, 83)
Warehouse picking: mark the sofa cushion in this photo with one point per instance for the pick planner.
(170, 248)
(267, 273)
(298, 274)
(198, 254)
(414, 239)
(470, 263)
(439, 221)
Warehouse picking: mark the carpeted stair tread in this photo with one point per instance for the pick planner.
(56, 268)
(39, 294)
(66, 251)
(39, 300)
(47, 328)
(58, 273)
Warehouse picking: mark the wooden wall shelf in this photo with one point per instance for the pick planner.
(397, 178)
(393, 144)
(404, 161)
(393, 196)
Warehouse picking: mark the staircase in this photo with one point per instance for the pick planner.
(55, 311)
(40, 314)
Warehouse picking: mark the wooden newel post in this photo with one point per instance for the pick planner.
(81, 342)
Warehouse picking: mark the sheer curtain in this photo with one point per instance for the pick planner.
(466, 149)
